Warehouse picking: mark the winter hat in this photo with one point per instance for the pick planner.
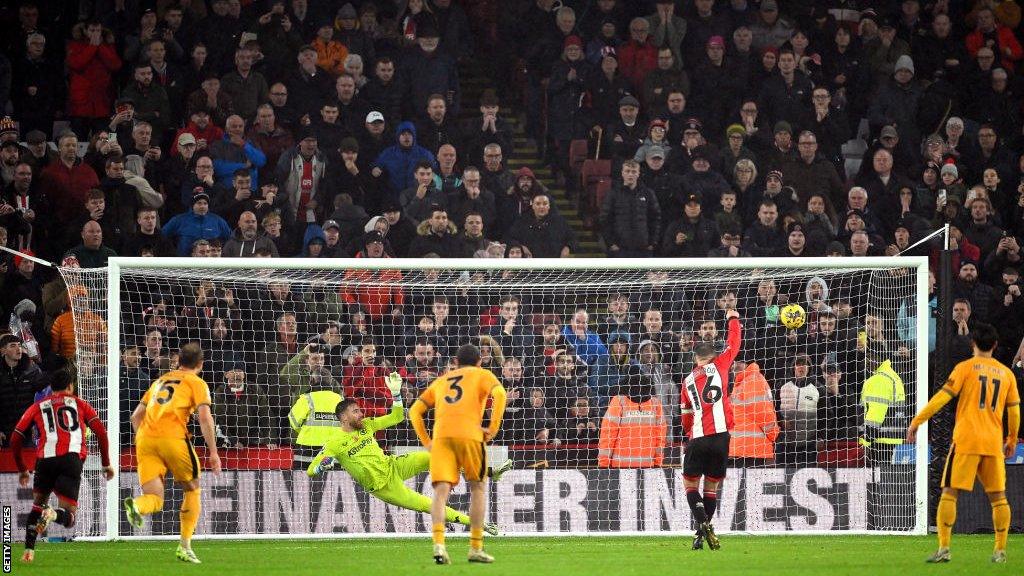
(904, 63)
(19, 258)
(525, 171)
(573, 40)
(372, 224)
(950, 168)
(735, 129)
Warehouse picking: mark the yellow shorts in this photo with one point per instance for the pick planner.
(158, 455)
(962, 469)
(449, 456)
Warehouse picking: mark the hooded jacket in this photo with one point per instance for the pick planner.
(238, 246)
(400, 163)
(445, 245)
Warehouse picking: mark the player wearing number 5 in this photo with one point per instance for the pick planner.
(707, 418)
(459, 398)
(984, 388)
(162, 443)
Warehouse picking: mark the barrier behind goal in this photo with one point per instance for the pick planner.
(568, 338)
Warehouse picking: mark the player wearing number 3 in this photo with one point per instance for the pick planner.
(162, 443)
(984, 388)
(707, 418)
(356, 450)
(459, 398)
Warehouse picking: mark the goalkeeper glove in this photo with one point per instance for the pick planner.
(324, 465)
(394, 382)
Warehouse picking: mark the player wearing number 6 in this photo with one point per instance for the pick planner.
(162, 443)
(459, 398)
(984, 388)
(707, 417)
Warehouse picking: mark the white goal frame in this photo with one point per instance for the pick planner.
(919, 264)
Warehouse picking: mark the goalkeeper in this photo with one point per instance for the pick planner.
(383, 476)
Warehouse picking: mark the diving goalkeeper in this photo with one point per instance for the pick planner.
(383, 476)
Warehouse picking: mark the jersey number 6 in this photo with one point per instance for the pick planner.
(454, 387)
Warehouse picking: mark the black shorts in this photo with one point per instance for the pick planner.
(706, 456)
(61, 475)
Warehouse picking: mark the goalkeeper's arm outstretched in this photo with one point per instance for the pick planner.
(356, 450)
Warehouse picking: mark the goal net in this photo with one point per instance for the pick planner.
(592, 353)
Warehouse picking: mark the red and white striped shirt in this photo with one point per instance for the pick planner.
(706, 408)
(61, 419)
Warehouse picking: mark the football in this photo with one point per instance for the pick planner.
(792, 316)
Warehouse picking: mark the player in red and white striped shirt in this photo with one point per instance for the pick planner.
(60, 419)
(707, 418)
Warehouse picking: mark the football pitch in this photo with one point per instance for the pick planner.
(569, 556)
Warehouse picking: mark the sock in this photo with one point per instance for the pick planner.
(438, 531)
(65, 518)
(149, 504)
(945, 517)
(696, 505)
(476, 538)
(710, 503)
(1001, 522)
(190, 509)
(453, 515)
(30, 527)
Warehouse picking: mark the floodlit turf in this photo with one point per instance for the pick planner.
(741, 555)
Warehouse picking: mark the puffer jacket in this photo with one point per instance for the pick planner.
(631, 219)
(446, 245)
(90, 73)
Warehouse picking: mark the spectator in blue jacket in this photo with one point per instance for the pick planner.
(400, 160)
(233, 151)
(196, 224)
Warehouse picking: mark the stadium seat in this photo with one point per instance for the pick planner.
(841, 454)
(577, 155)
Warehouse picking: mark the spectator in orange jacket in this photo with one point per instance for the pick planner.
(330, 54)
(633, 430)
(755, 427)
(63, 340)
(378, 291)
(997, 37)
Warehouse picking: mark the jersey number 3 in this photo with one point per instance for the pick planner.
(453, 386)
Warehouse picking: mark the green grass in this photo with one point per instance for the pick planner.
(655, 556)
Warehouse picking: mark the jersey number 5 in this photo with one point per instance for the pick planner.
(453, 386)
(168, 386)
(996, 383)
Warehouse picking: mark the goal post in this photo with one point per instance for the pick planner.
(593, 349)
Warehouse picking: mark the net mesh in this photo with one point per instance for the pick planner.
(592, 360)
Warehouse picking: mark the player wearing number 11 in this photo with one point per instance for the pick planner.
(459, 398)
(162, 443)
(984, 388)
(707, 417)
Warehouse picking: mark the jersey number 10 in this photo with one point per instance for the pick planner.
(984, 390)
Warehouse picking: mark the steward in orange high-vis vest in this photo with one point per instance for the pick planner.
(633, 430)
(755, 427)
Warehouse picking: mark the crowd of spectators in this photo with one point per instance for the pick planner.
(280, 128)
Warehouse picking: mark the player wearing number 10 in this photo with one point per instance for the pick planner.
(984, 388)
(162, 443)
(707, 417)
(459, 398)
